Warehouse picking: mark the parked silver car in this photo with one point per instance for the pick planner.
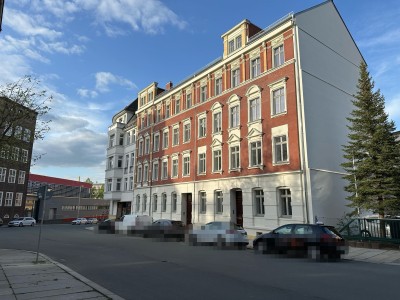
(220, 234)
(79, 221)
(23, 221)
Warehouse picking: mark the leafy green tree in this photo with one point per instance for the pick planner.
(372, 154)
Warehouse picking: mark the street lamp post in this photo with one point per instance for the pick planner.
(43, 194)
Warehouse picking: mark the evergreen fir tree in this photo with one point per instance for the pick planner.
(372, 153)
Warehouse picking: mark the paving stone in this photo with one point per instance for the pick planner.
(49, 286)
(54, 293)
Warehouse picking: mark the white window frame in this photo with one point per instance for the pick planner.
(1, 198)
(203, 93)
(12, 175)
(174, 201)
(255, 153)
(189, 100)
(147, 145)
(217, 160)
(203, 202)
(139, 175)
(218, 85)
(219, 202)
(254, 109)
(156, 142)
(21, 177)
(155, 202)
(8, 199)
(145, 172)
(202, 163)
(255, 67)
(235, 77)
(163, 202)
(164, 169)
(186, 131)
(155, 170)
(285, 202)
(232, 155)
(280, 149)
(165, 138)
(281, 108)
(24, 156)
(175, 135)
(137, 203)
(177, 105)
(174, 166)
(144, 205)
(278, 54)
(202, 121)
(186, 165)
(217, 121)
(259, 202)
(3, 174)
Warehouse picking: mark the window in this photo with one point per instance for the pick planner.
(238, 42)
(175, 167)
(139, 174)
(119, 161)
(118, 188)
(202, 127)
(155, 170)
(163, 202)
(255, 154)
(137, 203)
(234, 116)
(279, 58)
(125, 184)
(150, 96)
(285, 200)
(258, 195)
(231, 46)
(186, 132)
(131, 183)
(186, 166)
(219, 208)
(164, 173)
(203, 202)
(140, 147)
(4, 152)
(235, 77)
(144, 208)
(165, 139)
(131, 162)
(217, 160)
(155, 200)
(255, 67)
(109, 185)
(234, 157)
(24, 156)
(175, 136)
(147, 145)
(121, 139)
(218, 86)
(174, 201)
(148, 119)
(21, 177)
(235, 44)
(202, 163)
(15, 153)
(255, 109)
(111, 141)
(156, 142)
(203, 93)
(27, 135)
(128, 138)
(18, 132)
(177, 106)
(3, 172)
(126, 163)
(145, 173)
(278, 101)
(142, 100)
(158, 114)
(111, 162)
(142, 121)
(188, 101)
(12, 174)
(1, 198)
(167, 110)
(280, 149)
(8, 199)
(217, 122)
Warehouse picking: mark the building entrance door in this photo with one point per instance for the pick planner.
(188, 209)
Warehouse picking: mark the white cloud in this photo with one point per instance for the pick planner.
(104, 79)
(87, 93)
(393, 109)
(61, 47)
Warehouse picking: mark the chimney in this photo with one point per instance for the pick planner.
(169, 85)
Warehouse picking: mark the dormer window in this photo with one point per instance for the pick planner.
(235, 44)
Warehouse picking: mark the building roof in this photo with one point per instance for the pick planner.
(55, 180)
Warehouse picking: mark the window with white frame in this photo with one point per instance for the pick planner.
(163, 202)
(4, 152)
(148, 119)
(202, 126)
(234, 44)
(131, 161)
(175, 135)
(121, 139)
(18, 199)
(3, 173)
(140, 147)
(118, 186)
(217, 122)
(145, 173)
(27, 135)
(12, 174)
(280, 149)
(111, 141)
(219, 205)
(186, 165)
(9, 198)
(147, 145)
(231, 46)
(255, 154)
(234, 153)
(24, 156)
(234, 116)
(278, 101)
(167, 110)
(235, 76)
(174, 167)
(109, 185)
(186, 132)
(15, 153)
(144, 208)
(125, 184)
(203, 202)
(218, 86)
(203, 93)
(279, 57)
(155, 170)
(137, 203)
(21, 177)
(174, 201)
(155, 202)
(217, 160)
(139, 174)
(128, 138)
(165, 139)
(119, 161)
(177, 105)
(142, 123)
(238, 42)
(164, 167)
(131, 183)
(285, 202)
(258, 196)
(254, 109)
(202, 163)
(188, 100)
(156, 142)
(255, 68)
(111, 162)
(1, 198)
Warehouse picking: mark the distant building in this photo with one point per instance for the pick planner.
(17, 128)
(70, 199)
(121, 149)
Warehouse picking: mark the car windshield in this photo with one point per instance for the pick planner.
(20, 219)
(331, 230)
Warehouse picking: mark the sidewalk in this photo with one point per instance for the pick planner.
(21, 278)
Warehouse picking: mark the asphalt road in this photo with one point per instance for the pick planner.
(136, 268)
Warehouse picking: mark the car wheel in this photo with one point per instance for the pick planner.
(20, 224)
(32, 224)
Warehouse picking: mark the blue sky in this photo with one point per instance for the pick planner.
(94, 56)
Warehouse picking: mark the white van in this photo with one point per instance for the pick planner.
(129, 222)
